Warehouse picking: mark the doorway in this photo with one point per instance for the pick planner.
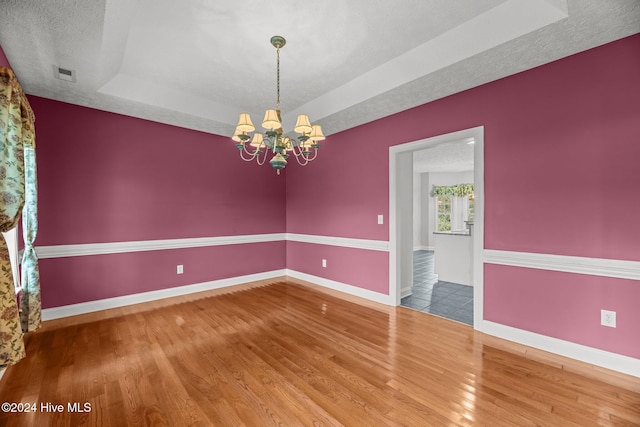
(401, 240)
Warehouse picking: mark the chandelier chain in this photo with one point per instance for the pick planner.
(278, 75)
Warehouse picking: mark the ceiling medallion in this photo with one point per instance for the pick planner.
(304, 147)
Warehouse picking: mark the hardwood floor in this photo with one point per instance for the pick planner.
(291, 355)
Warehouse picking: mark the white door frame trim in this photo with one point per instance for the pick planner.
(477, 133)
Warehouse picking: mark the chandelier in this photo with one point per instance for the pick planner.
(304, 147)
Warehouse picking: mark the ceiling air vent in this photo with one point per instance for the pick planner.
(64, 74)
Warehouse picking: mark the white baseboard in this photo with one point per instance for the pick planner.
(105, 304)
(615, 362)
(342, 287)
(405, 292)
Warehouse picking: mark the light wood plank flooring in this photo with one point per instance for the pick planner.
(289, 354)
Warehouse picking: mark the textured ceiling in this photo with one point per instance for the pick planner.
(198, 63)
(452, 156)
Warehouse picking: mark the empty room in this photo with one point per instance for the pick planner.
(292, 213)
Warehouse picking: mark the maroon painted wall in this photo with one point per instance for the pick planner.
(560, 151)
(561, 177)
(4, 62)
(106, 177)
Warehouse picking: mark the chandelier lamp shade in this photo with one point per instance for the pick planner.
(257, 146)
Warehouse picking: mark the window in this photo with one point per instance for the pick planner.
(443, 209)
(454, 207)
(11, 237)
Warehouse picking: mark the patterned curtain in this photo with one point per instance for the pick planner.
(30, 305)
(16, 129)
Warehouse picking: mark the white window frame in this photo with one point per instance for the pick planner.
(465, 214)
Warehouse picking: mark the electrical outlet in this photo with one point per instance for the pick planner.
(380, 219)
(608, 318)
(180, 269)
(324, 262)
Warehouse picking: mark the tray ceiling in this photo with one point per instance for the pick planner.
(198, 63)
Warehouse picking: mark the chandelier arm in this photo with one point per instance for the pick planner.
(300, 155)
(299, 152)
(264, 156)
(301, 163)
(244, 150)
(312, 158)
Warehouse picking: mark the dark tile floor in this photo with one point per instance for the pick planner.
(444, 299)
